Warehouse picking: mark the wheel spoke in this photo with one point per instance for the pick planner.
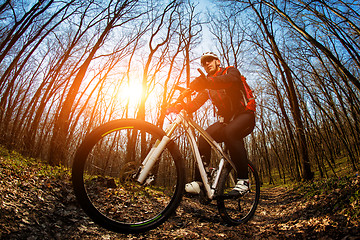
(236, 210)
(107, 189)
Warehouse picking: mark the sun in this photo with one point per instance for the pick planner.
(130, 92)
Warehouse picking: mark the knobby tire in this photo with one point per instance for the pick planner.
(235, 211)
(103, 177)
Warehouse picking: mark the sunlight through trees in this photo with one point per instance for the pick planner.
(68, 66)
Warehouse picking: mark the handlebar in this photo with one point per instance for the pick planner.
(201, 73)
(185, 92)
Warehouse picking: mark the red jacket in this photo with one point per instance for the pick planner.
(228, 91)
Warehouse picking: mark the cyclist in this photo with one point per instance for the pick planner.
(235, 103)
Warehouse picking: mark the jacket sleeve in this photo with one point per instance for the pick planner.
(197, 102)
(227, 80)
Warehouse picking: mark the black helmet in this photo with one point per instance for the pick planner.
(208, 55)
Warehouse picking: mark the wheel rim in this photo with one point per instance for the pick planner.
(113, 196)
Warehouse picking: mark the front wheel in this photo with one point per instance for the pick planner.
(104, 177)
(235, 211)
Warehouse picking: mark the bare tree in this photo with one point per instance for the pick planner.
(229, 32)
(62, 120)
(337, 62)
(156, 34)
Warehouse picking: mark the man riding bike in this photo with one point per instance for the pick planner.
(235, 103)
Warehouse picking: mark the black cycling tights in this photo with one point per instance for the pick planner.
(232, 134)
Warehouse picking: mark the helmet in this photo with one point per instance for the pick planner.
(208, 55)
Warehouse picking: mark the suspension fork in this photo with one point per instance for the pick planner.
(156, 150)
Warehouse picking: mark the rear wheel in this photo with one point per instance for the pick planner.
(104, 179)
(235, 211)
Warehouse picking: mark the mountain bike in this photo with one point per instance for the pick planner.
(128, 175)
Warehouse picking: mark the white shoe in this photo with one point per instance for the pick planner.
(193, 187)
(242, 186)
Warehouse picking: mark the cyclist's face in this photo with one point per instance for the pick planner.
(211, 65)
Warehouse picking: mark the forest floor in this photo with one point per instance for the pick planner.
(37, 202)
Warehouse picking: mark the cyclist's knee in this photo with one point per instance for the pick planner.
(231, 135)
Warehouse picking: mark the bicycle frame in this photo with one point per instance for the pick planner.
(189, 125)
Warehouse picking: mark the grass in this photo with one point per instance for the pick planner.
(342, 168)
(22, 165)
(340, 193)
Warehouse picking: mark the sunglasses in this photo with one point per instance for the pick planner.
(207, 59)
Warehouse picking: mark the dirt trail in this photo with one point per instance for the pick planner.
(36, 206)
(281, 214)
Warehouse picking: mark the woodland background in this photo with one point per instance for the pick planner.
(68, 66)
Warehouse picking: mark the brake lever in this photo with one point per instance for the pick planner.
(201, 73)
(181, 89)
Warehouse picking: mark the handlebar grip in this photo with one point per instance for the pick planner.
(180, 88)
(201, 72)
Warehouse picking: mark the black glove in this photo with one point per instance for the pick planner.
(199, 83)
